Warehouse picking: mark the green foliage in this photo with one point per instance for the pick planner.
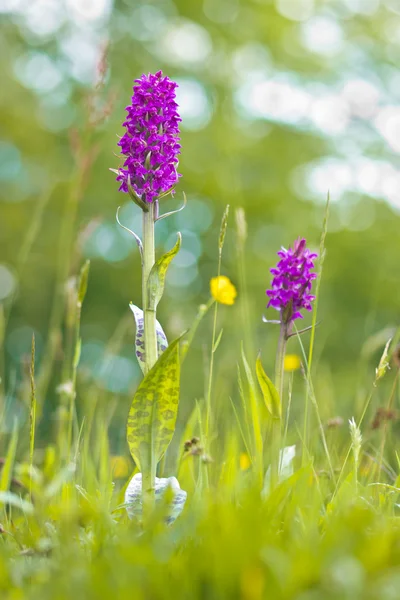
(330, 530)
(269, 391)
(154, 409)
(158, 273)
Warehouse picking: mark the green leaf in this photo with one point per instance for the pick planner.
(218, 341)
(83, 282)
(6, 473)
(269, 391)
(156, 281)
(152, 417)
(162, 343)
(255, 418)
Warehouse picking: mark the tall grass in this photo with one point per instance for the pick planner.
(329, 528)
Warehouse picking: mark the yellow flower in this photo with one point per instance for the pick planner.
(223, 290)
(244, 461)
(292, 362)
(120, 466)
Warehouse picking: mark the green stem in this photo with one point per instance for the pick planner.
(150, 345)
(280, 358)
(276, 424)
(211, 371)
(150, 337)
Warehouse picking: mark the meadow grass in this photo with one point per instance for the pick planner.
(324, 525)
(329, 529)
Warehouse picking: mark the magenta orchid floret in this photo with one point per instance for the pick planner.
(292, 282)
(151, 141)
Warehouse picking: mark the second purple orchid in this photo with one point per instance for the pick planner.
(292, 282)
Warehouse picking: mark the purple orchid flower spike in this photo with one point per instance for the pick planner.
(151, 141)
(292, 282)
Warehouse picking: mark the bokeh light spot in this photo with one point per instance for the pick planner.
(37, 71)
(194, 105)
(7, 282)
(44, 17)
(109, 243)
(295, 10)
(185, 42)
(322, 35)
(10, 161)
(197, 216)
(89, 10)
(145, 22)
(387, 123)
(223, 11)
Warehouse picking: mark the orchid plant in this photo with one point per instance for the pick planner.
(151, 147)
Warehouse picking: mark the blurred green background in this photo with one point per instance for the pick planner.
(281, 101)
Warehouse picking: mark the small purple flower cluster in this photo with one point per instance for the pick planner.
(291, 285)
(151, 141)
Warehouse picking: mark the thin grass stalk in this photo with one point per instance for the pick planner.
(313, 325)
(65, 248)
(360, 421)
(241, 236)
(32, 414)
(385, 425)
(211, 368)
(310, 390)
(221, 241)
(277, 423)
(75, 358)
(2, 359)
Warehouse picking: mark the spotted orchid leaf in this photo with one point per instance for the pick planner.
(152, 417)
(156, 281)
(162, 342)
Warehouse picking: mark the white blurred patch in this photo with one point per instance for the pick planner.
(44, 17)
(194, 105)
(185, 42)
(329, 174)
(275, 99)
(360, 176)
(252, 60)
(7, 282)
(322, 35)
(37, 71)
(145, 22)
(295, 10)
(9, 6)
(88, 11)
(362, 97)
(109, 242)
(387, 123)
(285, 468)
(330, 114)
(363, 7)
(82, 50)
